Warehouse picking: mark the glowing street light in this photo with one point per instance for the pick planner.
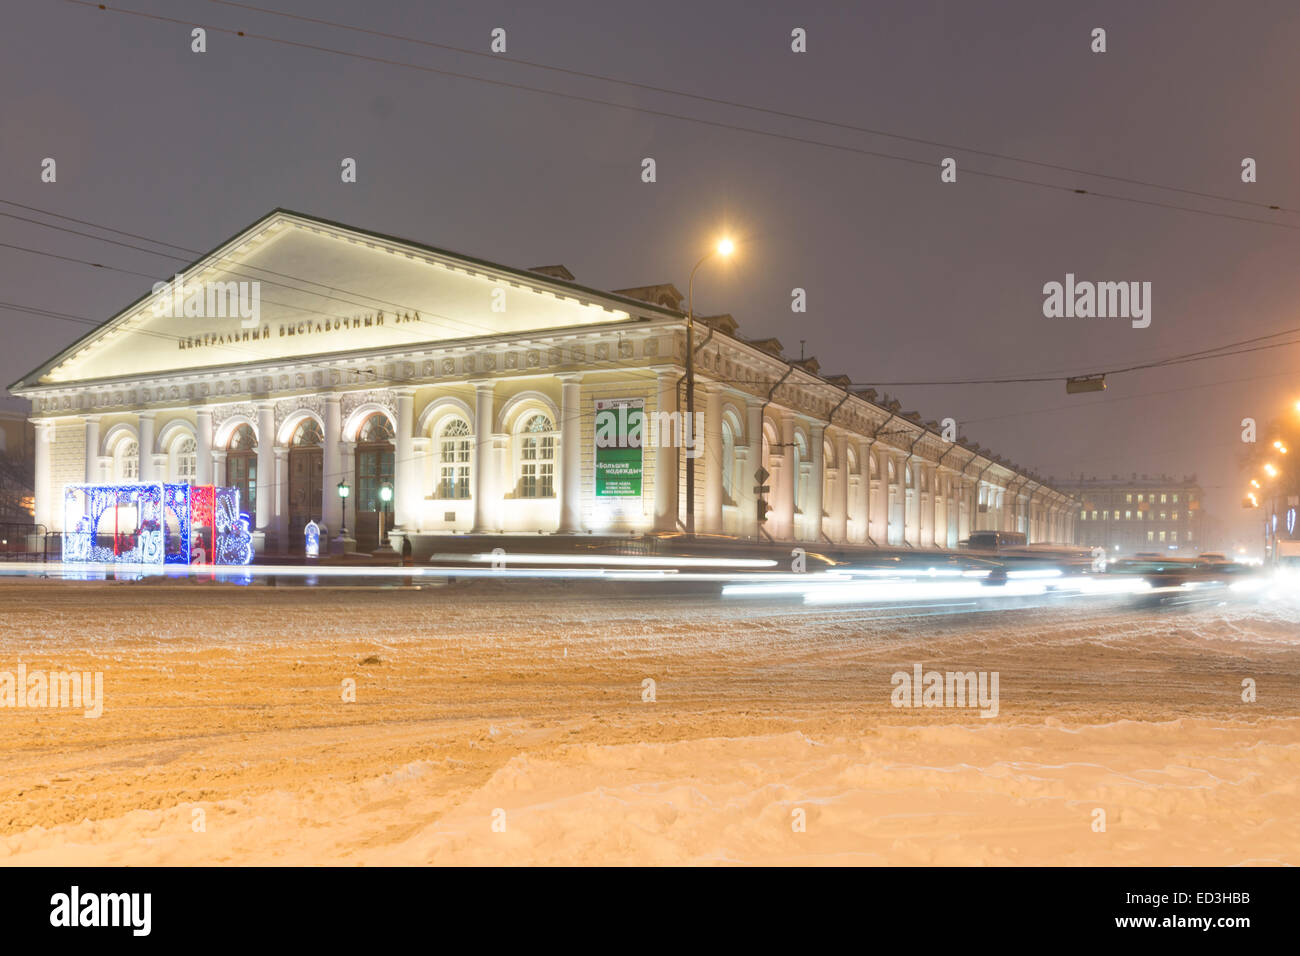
(1270, 470)
(385, 495)
(724, 248)
(344, 491)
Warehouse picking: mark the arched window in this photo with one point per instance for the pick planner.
(728, 462)
(241, 466)
(126, 460)
(537, 458)
(377, 428)
(854, 468)
(183, 460)
(893, 471)
(307, 434)
(454, 459)
(873, 465)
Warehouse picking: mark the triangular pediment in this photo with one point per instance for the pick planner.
(291, 286)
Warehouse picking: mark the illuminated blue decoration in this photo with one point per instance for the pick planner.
(311, 534)
(151, 523)
(1290, 521)
(177, 515)
(234, 540)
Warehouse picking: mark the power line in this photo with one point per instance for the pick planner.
(1221, 351)
(784, 114)
(666, 114)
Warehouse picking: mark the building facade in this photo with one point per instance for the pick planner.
(475, 393)
(1139, 513)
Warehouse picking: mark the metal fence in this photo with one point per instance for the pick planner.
(28, 542)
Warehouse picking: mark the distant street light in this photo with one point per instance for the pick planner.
(725, 247)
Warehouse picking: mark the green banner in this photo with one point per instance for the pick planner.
(620, 430)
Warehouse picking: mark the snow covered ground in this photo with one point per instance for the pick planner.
(507, 723)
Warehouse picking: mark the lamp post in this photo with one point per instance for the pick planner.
(724, 248)
(344, 491)
(385, 496)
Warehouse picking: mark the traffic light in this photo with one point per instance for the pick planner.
(763, 509)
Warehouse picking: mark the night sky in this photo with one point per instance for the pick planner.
(908, 279)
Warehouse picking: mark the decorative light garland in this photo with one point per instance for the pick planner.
(198, 518)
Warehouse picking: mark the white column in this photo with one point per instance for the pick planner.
(783, 507)
(92, 450)
(348, 515)
(219, 473)
(47, 502)
(839, 509)
(963, 507)
(332, 465)
(895, 499)
(747, 482)
(864, 489)
(406, 490)
(712, 458)
(282, 498)
(148, 466)
(936, 507)
(484, 457)
(812, 519)
(666, 472)
(265, 467)
(570, 452)
(203, 456)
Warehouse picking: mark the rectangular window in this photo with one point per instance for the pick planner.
(538, 471)
(1128, 499)
(454, 471)
(1128, 515)
(1163, 499)
(1151, 535)
(1162, 536)
(1173, 535)
(1175, 499)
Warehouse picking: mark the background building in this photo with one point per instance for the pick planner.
(1139, 513)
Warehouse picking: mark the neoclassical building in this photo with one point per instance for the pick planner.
(473, 392)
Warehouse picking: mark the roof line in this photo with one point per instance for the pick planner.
(533, 277)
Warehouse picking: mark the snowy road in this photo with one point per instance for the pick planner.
(501, 722)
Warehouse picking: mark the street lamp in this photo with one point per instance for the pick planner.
(344, 491)
(385, 495)
(724, 248)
